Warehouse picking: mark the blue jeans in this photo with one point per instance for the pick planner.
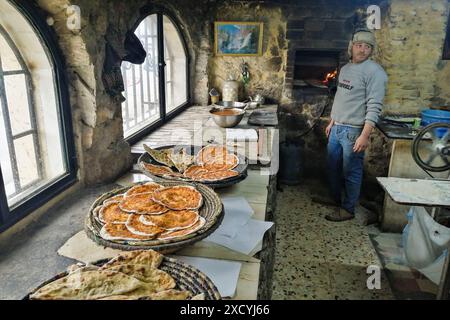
(344, 164)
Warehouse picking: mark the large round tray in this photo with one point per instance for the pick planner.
(211, 210)
(193, 150)
(186, 277)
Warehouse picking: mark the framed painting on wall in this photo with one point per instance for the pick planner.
(238, 38)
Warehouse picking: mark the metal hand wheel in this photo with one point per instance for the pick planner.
(433, 155)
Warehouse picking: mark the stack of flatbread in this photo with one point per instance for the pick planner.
(129, 276)
(150, 211)
(212, 163)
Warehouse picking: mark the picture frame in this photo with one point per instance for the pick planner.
(234, 38)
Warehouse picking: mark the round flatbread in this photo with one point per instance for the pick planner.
(216, 175)
(172, 219)
(226, 162)
(137, 227)
(111, 213)
(193, 171)
(143, 188)
(179, 197)
(116, 198)
(119, 231)
(142, 203)
(183, 232)
(209, 153)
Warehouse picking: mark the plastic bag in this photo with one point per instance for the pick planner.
(425, 243)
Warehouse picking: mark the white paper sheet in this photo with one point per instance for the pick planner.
(241, 134)
(247, 238)
(237, 214)
(224, 274)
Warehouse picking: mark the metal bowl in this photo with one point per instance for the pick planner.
(227, 121)
(231, 104)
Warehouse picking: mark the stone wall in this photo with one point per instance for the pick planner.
(267, 72)
(411, 42)
(102, 153)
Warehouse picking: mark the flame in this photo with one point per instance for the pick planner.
(329, 76)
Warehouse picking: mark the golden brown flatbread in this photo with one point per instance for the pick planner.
(209, 153)
(158, 279)
(183, 232)
(137, 227)
(225, 162)
(116, 198)
(172, 219)
(143, 188)
(194, 170)
(216, 175)
(90, 285)
(142, 203)
(145, 257)
(179, 197)
(111, 213)
(160, 171)
(119, 231)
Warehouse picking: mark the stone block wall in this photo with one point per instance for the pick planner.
(267, 72)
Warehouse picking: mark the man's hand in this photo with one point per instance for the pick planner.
(361, 143)
(328, 128)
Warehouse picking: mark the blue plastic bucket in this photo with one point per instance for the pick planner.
(432, 116)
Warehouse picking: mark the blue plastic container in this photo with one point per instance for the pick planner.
(431, 116)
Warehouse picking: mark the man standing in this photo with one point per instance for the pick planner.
(356, 108)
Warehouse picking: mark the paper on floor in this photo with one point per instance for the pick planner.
(224, 274)
(247, 238)
(241, 134)
(237, 213)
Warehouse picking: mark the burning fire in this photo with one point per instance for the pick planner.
(329, 76)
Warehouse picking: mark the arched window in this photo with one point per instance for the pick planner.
(157, 89)
(36, 143)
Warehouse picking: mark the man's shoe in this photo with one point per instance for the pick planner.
(318, 198)
(340, 215)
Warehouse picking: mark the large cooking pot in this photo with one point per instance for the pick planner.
(231, 104)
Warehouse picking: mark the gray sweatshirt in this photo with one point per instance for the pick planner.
(360, 93)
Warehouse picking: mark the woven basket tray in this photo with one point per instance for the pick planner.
(193, 150)
(186, 277)
(211, 210)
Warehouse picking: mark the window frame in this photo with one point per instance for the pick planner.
(164, 117)
(9, 217)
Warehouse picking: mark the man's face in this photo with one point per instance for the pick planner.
(360, 52)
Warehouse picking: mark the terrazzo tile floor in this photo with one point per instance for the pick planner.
(317, 259)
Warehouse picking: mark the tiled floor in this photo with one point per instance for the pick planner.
(318, 259)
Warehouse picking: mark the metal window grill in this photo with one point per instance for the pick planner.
(5, 109)
(141, 82)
